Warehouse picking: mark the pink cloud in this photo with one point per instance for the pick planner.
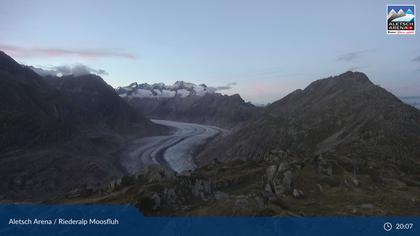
(26, 52)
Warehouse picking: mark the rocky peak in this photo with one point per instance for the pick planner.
(7, 63)
(347, 80)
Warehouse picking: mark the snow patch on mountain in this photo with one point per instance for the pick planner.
(161, 90)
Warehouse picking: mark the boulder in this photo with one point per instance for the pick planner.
(297, 193)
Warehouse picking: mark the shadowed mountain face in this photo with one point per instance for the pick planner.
(212, 108)
(342, 115)
(58, 134)
(48, 109)
(95, 101)
(31, 112)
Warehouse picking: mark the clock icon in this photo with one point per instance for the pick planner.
(387, 226)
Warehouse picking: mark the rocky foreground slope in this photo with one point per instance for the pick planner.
(341, 146)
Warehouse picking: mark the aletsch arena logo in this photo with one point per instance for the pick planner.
(401, 19)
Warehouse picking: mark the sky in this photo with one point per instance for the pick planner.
(263, 49)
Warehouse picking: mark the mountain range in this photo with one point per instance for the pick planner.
(161, 90)
(188, 102)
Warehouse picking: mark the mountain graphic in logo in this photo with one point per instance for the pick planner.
(401, 16)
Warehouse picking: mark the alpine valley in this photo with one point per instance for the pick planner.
(341, 146)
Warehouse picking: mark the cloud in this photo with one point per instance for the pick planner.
(354, 68)
(27, 52)
(225, 87)
(78, 69)
(351, 56)
(358, 68)
(417, 59)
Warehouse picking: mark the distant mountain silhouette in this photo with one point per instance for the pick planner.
(161, 90)
(213, 108)
(188, 102)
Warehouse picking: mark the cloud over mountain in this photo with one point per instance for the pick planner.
(226, 87)
(78, 69)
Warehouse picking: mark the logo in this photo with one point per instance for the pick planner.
(401, 19)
